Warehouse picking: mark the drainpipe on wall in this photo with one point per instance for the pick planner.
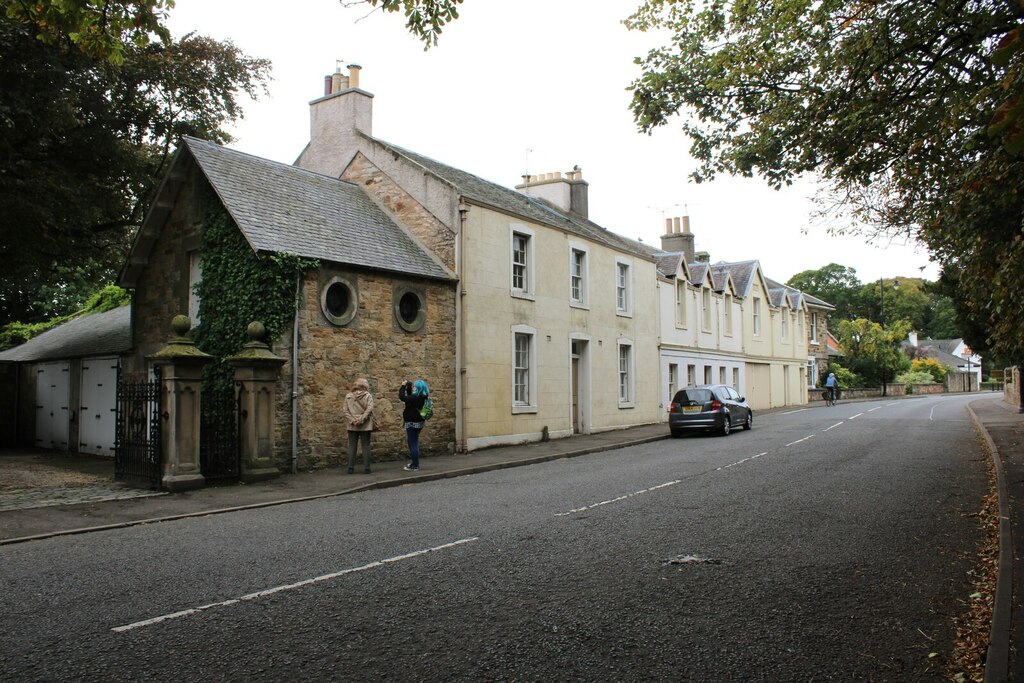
(295, 376)
(460, 403)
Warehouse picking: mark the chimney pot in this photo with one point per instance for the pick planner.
(675, 225)
(336, 85)
(668, 226)
(327, 84)
(686, 225)
(353, 75)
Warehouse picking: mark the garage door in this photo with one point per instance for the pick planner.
(759, 393)
(99, 399)
(52, 405)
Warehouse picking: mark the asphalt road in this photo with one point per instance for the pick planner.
(826, 544)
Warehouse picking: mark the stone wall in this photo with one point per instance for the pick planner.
(373, 346)
(162, 290)
(1011, 387)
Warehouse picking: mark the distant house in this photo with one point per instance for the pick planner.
(955, 354)
(59, 390)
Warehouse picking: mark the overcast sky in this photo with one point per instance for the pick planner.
(526, 86)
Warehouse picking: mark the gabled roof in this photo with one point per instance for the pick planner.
(283, 208)
(929, 348)
(668, 263)
(513, 202)
(777, 297)
(722, 278)
(947, 345)
(743, 274)
(99, 334)
(699, 274)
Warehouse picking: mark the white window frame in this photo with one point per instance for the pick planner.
(682, 292)
(721, 374)
(785, 324)
(626, 372)
(530, 385)
(583, 298)
(705, 309)
(736, 379)
(756, 304)
(691, 375)
(814, 327)
(623, 286)
(709, 377)
(800, 326)
(727, 302)
(526, 290)
(673, 380)
(195, 276)
(812, 372)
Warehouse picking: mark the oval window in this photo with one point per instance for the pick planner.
(409, 310)
(338, 301)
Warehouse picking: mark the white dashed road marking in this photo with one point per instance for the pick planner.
(619, 498)
(874, 409)
(854, 417)
(290, 586)
(794, 411)
(832, 427)
(800, 440)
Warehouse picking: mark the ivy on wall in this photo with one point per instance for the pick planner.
(237, 287)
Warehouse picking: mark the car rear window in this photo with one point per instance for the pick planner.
(692, 396)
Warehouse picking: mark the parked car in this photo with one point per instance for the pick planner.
(710, 406)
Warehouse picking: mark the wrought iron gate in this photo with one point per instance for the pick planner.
(219, 452)
(137, 453)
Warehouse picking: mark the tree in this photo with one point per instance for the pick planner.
(425, 19)
(873, 351)
(904, 110)
(833, 283)
(83, 142)
(98, 28)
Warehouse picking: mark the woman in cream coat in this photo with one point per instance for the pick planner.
(359, 419)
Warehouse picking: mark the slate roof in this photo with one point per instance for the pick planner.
(934, 348)
(742, 275)
(721, 277)
(514, 202)
(98, 334)
(697, 273)
(668, 262)
(283, 208)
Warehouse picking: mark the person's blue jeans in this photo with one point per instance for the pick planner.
(412, 434)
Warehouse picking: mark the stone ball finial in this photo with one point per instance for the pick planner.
(255, 331)
(180, 325)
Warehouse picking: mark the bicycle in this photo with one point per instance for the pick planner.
(829, 396)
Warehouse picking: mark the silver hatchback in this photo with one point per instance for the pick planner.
(715, 407)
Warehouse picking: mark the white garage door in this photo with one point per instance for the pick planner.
(99, 400)
(52, 405)
(759, 394)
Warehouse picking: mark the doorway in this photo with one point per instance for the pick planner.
(579, 381)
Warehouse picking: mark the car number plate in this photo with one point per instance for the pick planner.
(691, 409)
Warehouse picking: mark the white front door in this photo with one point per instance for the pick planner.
(52, 405)
(97, 411)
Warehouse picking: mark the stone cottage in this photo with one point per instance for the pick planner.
(379, 304)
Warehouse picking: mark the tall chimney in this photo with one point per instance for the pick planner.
(335, 123)
(678, 237)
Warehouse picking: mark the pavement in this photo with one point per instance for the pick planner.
(90, 500)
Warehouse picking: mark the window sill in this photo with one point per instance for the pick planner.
(624, 314)
(519, 410)
(626, 405)
(580, 305)
(523, 295)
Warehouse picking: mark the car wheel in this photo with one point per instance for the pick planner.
(749, 424)
(726, 424)
(676, 433)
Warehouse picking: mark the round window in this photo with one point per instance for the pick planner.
(338, 301)
(409, 310)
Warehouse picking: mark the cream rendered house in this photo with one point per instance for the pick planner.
(701, 336)
(556, 317)
(726, 323)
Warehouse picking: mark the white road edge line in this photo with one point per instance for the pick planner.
(832, 427)
(854, 417)
(790, 412)
(619, 498)
(290, 586)
(799, 440)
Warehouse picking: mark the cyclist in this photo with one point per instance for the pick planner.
(831, 389)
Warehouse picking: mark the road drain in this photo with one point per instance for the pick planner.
(689, 559)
